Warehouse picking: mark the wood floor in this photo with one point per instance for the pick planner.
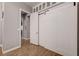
(28, 49)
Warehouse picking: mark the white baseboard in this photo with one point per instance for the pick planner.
(54, 50)
(26, 38)
(11, 49)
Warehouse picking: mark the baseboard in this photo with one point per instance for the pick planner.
(26, 38)
(0, 45)
(53, 50)
(11, 49)
(61, 54)
(34, 43)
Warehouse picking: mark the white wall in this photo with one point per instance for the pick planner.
(58, 29)
(20, 5)
(11, 24)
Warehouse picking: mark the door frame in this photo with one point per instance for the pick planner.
(20, 10)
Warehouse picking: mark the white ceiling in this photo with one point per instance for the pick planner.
(32, 4)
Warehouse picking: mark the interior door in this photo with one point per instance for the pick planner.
(34, 28)
(12, 27)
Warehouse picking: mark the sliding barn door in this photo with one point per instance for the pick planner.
(58, 29)
(34, 28)
(47, 30)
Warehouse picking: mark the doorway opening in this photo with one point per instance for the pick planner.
(25, 28)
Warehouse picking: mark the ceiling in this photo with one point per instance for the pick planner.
(32, 4)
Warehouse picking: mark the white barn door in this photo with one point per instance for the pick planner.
(58, 29)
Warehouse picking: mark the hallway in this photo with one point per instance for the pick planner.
(52, 28)
(28, 49)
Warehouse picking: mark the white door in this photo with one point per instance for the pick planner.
(12, 27)
(34, 28)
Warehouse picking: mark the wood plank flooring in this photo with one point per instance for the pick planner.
(28, 49)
